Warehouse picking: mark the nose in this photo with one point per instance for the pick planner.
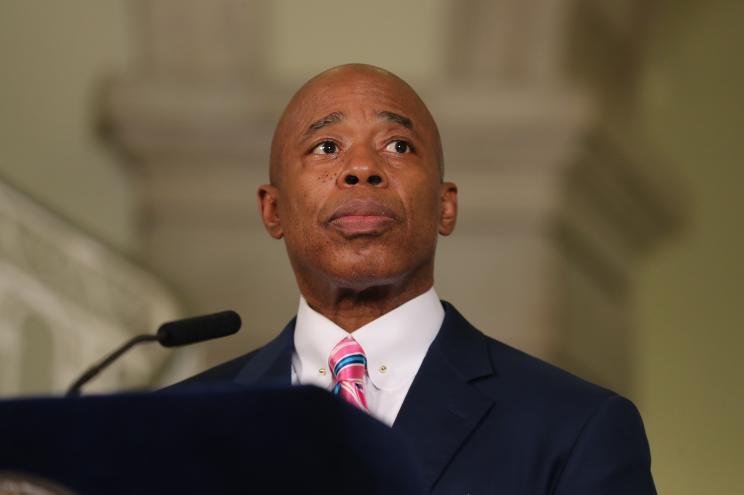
(363, 167)
(352, 179)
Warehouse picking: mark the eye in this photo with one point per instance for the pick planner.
(325, 148)
(399, 146)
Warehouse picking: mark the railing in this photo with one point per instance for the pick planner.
(66, 299)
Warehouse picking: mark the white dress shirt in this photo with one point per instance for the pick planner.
(395, 345)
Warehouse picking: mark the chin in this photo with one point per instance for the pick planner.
(361, 266)
(363, 277)
(377, 270)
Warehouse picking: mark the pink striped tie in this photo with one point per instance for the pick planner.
(348, 365)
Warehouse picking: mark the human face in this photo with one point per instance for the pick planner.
(357, 193)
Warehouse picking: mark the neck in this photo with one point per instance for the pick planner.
(351, 309)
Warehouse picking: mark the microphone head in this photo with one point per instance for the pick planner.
(198, 328)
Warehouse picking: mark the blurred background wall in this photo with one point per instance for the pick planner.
(691, 292)
(596, 145)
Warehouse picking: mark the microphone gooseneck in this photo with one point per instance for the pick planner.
(91, 372)
(171, 334)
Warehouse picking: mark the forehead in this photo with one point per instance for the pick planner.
(352, 94)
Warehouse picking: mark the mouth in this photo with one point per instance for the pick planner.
(362, 217)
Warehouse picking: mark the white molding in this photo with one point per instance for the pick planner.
(89, 297)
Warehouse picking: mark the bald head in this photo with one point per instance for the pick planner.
(328, 98)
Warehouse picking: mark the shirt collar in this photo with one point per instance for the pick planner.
(395, 343)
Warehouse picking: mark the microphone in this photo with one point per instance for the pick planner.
(170, 334)
(198, 329)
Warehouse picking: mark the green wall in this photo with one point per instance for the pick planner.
(692, 291)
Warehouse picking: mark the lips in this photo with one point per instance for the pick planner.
(362, 217)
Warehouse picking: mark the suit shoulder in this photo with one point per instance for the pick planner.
(221, 374)
(513, 372)
(227, 373)
(539, 379)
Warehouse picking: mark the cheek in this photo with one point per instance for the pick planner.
(301, 209)
(327, 177)
(300, 201)
(424, 211)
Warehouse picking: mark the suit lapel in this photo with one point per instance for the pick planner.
(442, 406)
(271, 364)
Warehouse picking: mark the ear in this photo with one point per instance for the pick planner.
(448, 215)
(268, 201)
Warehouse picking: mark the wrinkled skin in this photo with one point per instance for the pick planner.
(356, 193)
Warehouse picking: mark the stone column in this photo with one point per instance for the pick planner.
(194, 119)
(560, 196)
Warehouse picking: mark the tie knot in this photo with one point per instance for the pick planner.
(347, 361)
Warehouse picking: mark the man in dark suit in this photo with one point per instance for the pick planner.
(357, 194)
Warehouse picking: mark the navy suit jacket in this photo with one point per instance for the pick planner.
(482, 417)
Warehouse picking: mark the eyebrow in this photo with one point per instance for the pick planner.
(394, 117)
(331, 118)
